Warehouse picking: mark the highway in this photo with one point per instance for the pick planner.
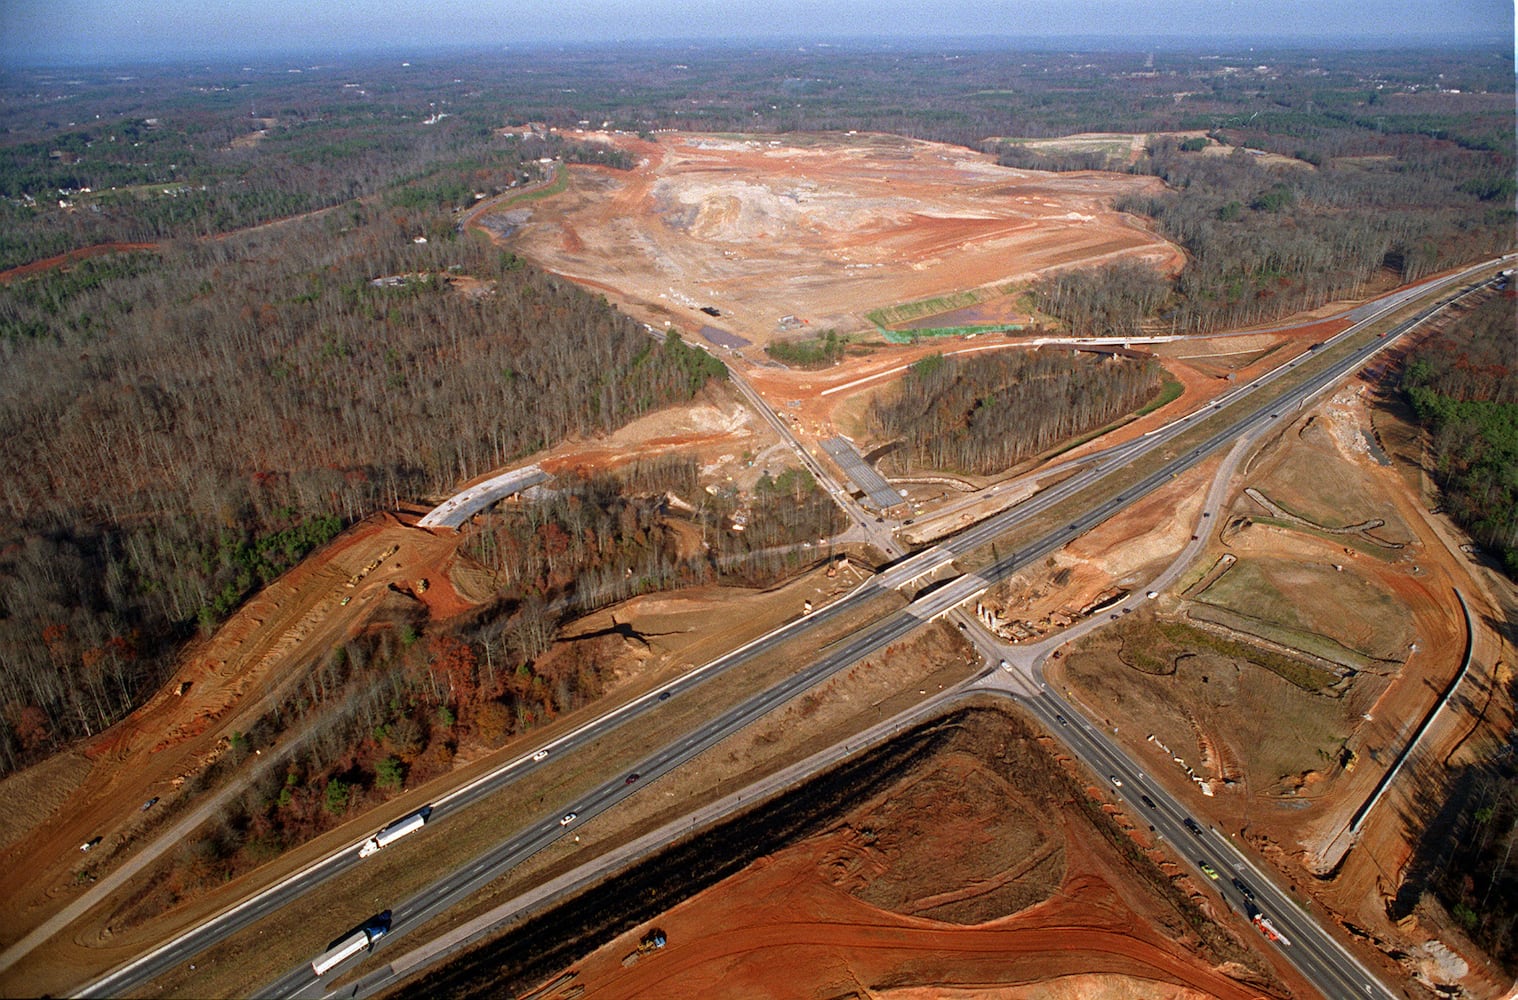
(1316, 955)
(936, 601)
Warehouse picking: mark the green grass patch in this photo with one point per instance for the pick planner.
(821, 351)
(917, 333)
(1305, 640)
(1245, 588)
(1169, 393)
(1294, 672)
(1341, 617)
(560, 182)
(887, 316)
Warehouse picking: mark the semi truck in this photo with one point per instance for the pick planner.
(402, 827)
(360, 939)
(1269, 930)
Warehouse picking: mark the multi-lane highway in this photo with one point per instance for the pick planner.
(1232, 422)
(1240, 884)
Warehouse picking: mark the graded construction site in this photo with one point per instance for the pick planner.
(774, 236)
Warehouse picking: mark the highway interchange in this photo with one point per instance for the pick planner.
(1315, 953)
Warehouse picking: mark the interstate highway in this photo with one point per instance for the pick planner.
(870, 640)
(1317, 956)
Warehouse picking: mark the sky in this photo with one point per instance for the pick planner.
(34, 32)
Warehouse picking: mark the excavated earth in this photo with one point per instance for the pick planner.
(966, 858)
(818, 228)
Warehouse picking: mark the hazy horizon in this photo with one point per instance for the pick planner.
(91, 32)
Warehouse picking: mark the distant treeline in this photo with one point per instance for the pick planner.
(986, 414)
(204, 149)
(1265, 241)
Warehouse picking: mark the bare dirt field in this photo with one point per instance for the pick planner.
(822, 228)
(983, 868)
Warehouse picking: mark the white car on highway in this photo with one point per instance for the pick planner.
(568, 819)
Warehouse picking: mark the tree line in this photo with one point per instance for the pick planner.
(1110, 300)
(1463, 387)
(179, 430)
(983, 416)
(1264, 241)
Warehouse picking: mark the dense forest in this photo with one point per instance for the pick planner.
(986, 414)
(1464, 388)
(191, 423)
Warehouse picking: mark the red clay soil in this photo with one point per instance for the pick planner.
(779, 929)
(821, 227)
(48, 263)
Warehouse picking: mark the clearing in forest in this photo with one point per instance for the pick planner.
(779, 234)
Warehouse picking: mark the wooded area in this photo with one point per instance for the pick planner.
(396, 704)
(1108, 301)
(191, 424)
(1464, 388)
(983, 416)
(1465, 855)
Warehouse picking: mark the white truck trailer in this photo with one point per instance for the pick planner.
(360, 939)
(402, 827)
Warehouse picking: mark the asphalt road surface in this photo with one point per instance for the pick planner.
(1316, 955)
